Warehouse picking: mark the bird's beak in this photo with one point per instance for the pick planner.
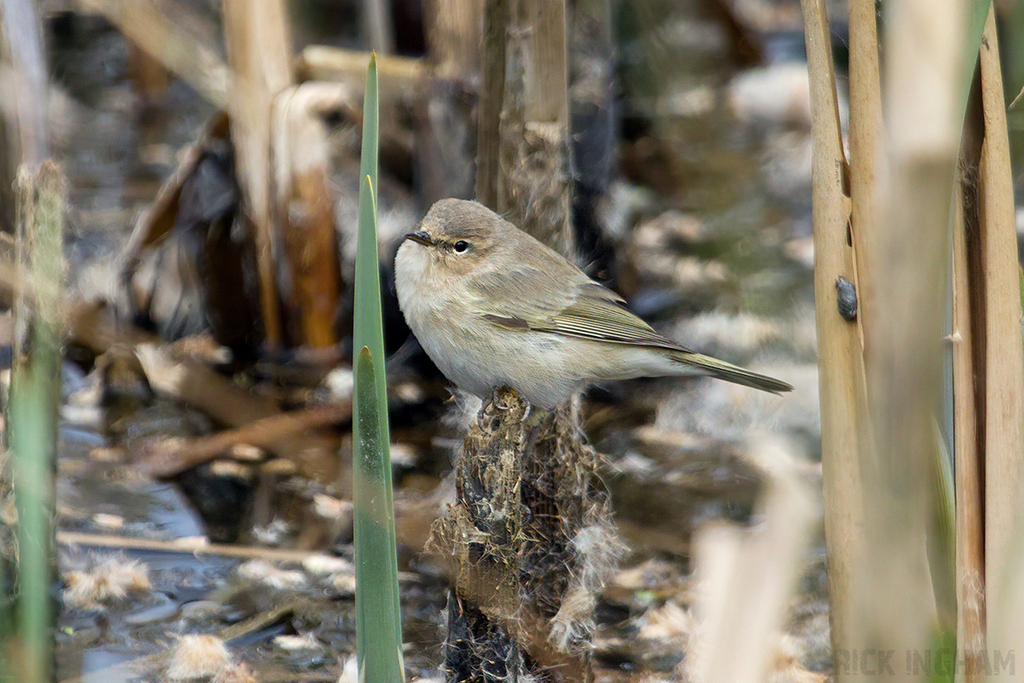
(421, 237)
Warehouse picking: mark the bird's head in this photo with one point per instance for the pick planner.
(457, 238)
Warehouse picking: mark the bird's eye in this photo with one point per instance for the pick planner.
(461, 247)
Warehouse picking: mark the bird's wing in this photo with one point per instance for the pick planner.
(561, 300)
(553, 296)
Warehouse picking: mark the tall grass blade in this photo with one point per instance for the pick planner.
(378, 619)
(370, 152)
(33, 416)
(35, 390)
(378, 615)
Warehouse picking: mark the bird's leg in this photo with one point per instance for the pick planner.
(534, 416)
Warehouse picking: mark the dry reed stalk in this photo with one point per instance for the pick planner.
(149, 28)
(259, 53)
(533, 151)
(303, 196)
(749, 575)
(170, 457)
(1004, 373)
(988, 373)
(149, 76)
(841, 375)
(908, 259)
(314, 454)
(970, 563)
(399, 76)
(453, 36)
(523, 138)
(195, 545)
(497, 15)
(865, 130)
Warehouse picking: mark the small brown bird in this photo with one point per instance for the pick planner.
(494, 307)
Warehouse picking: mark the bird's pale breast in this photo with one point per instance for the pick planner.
(479, 356)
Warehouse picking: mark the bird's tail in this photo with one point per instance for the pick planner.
(707, 365)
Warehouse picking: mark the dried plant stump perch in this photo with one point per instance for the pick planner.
(531, 542)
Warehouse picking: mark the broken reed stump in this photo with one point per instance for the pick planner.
(300, 147)
(523, 140)
(530, 542)
(259, 55)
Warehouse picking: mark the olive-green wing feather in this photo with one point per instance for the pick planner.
(562, 300)
(600, 314)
